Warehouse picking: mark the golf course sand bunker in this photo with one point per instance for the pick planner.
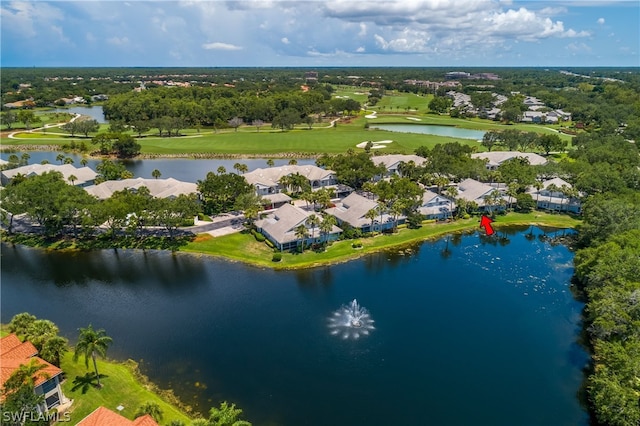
(375, 145)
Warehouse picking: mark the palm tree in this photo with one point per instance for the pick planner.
(301, 234)
(60, 158)
(54, 349)
(396, 210)
(240, 168)
(440, 182)
(538, 186)
(552, 188)
(451, 192)
(72, 179)
(226, 415)
(90, 344)
(371, 215)
(150, 408)
(84, 162)
(221, 170)
(327, 224)
(293, 162)
(313, 221)
(270, 162)
(68, 160)
(156, 174)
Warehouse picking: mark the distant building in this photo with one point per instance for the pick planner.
(352, 211)
(84, 176)
(159, 188)
(280, 228)
(311, 76)
(392, 162)
(14, 353)
(434, 206)
(267, 181)
(495, 158)
(102, 416)
(556, 199)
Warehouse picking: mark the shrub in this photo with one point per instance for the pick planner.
(259, 237)
(270, 244)
(356, 244)
(277, 257)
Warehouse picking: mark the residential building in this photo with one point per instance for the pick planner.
(472, 190)
(392, 162)
(267, 181)
(495, 158)
(84, 176)
(102, 416)
(553, 196)
(159, 188)
(280, 226)
(14, 353)
(435, 206)
(352, 211)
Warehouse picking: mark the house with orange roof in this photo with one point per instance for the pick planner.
(102, 416)
(14, 353)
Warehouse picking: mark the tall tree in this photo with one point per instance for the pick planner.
(150, 408)
(91, 344)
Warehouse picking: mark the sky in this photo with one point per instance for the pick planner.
(304, 33)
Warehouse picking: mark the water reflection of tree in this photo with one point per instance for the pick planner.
(445, 253)
(314, 278)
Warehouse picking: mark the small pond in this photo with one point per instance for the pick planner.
(431, 129)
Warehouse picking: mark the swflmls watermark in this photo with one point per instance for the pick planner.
(22, 418)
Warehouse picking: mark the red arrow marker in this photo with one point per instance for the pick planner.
(485, 223)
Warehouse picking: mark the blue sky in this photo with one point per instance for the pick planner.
(320, 33)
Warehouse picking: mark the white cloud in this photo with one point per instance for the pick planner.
(118, 41)
(601, 21)
(578, 48)
(360, 49)
(285, 40)
(220, 46)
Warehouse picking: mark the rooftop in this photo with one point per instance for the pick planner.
(270, 176)
(102, 416)
(159, 188)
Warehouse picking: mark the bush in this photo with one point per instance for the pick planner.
(356, 244)
(277, 257)
(270, 244)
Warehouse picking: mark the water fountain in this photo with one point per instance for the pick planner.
(351, 321)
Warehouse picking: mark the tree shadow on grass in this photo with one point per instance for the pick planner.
(86, 382)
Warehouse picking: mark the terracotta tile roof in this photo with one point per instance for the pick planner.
(102, 416)
(14, 353)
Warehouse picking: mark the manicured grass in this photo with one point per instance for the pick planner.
(248, 141)
(243, 246)
(120, 387)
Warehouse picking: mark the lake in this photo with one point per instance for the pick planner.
(468, 330)
(432, 129)
(185, 169)
(94, 112)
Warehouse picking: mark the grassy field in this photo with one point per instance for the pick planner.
(248, 141)
(120, 387)
(244, 248)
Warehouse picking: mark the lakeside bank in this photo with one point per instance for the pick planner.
(243, 247)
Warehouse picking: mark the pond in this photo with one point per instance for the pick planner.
(469, 330)
(184, 169)
(94, 112)
(432, 129)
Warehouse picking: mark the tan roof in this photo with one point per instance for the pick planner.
(472, 190)
(159, 188)
(102, 416)
(14, 353)
(498, 157)
(394, 159)
(270, 176)
(281, 223)
(352, 211)
(82, 174)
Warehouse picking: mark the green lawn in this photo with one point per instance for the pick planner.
(243, 247)
(119, 388)
(321, 139)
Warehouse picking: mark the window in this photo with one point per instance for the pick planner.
(53, 401)
(48, 386)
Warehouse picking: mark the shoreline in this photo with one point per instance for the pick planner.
(241, 243)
